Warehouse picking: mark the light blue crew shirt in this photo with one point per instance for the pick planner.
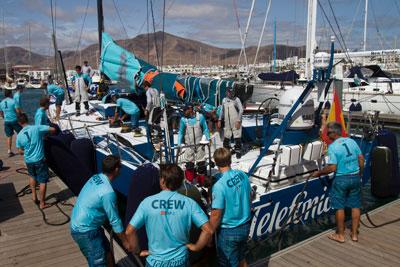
(127, 106)
(343, 153)
(207, 107)
(41, 117)
(53, 89)
(7, 106)
(192, 121)
(30, 139)
(96, 202)
(17, 99)
(86, 78)
(168, 217)
(231, 193)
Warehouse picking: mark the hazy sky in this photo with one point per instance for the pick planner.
(210, 21)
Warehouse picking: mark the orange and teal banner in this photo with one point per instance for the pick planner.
(335, 114)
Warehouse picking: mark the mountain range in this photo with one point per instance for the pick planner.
(177, 50)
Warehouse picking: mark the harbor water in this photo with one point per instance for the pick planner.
(262, 248)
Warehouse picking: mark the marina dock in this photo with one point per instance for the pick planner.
(377, 246)
(25, 239)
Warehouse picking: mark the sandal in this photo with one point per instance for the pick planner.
(354, 239)
(335, 237)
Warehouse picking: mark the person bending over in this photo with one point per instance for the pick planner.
(96, 204)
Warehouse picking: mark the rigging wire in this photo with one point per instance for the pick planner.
(148, 31)
(120, 19)
(380, 35)
(163, 38)
(340, 32)
(81, 32)
(334, 32)
(154, 31)
(354, 19)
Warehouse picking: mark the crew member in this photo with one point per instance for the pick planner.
(153, 112)
(211, 113)
(81, 82)
(346, 160)
(231, 113)
(96, 203)
(30, 143)
(130, 109)
(168, 217)
(193, 126)
(41, 113)
(153, 109)
(17, 98)
(87, 69)
(58, 92)
(230, 214)
(9, 113)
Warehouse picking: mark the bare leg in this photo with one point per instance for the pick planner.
(355, 222)
(243, 263)
(9, 143)
(32, 184)
(340, 223)
(58, 112)
(42, 192)
(110, 259)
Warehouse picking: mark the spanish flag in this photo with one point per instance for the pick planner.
(335, 114)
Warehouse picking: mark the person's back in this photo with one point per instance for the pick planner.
(17, 99)
(232, 193)
(167, 216)
(41, 117)
(230, 212)
(127, 106)
(55, 90)
(344, 152)
(7, 105)
(30, 139)
(89, 212)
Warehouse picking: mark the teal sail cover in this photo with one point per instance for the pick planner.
(119, 64)
(129, 71)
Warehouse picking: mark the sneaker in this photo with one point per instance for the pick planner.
(238, 155)
(78, 113)
(137, 134)
(11, 154)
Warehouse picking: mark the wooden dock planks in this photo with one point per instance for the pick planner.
(376, 246)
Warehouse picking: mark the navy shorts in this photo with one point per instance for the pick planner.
(59, 100)
(93, 245)
(232, 244)
(346, 192)
(39, 171)
(10, 127)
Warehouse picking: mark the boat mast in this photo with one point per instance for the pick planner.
(274, 66)
(311, 43)
(100, 21)
(30, 50)
(365, 25)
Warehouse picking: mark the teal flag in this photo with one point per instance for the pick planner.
(119, 64)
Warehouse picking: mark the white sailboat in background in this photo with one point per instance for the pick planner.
(9, 83)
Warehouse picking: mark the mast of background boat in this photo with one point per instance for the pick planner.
(30, 47)
(365, 27)
(274, 66)
(262, 33)
(311, 43)
(5, 48)
(100, 22)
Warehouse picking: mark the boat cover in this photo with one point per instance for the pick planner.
(287, 76)
(130, 72)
